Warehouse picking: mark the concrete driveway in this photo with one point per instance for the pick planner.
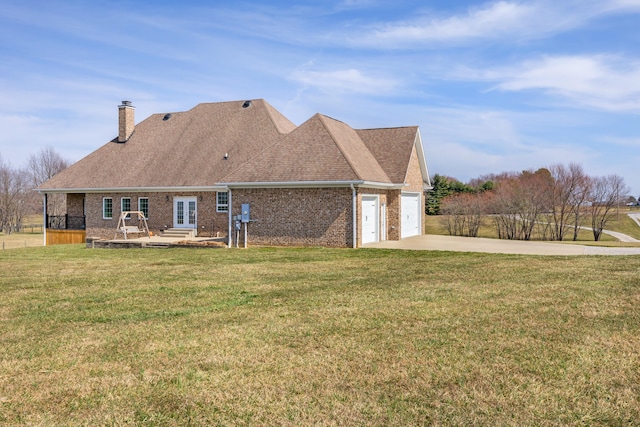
(432, 242)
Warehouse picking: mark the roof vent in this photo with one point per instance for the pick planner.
(166, 117)
(246, 104)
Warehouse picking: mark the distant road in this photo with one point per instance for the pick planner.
(635, 217)
(434, 242)
(624, 237)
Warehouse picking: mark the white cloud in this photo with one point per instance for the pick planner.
(343, 80)
(621, 5)
(486, 21)
(603, 82)
(499, 20)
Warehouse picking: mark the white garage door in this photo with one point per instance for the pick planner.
(370, 224)
(410, 211)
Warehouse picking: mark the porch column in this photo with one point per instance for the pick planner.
(230, 211)
(44, 218)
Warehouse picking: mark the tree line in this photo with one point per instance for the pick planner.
(548, 204)
(17, 196)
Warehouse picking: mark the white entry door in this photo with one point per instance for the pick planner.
(370, 223)
(185, 212)
(410, 214)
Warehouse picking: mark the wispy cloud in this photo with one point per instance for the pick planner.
(484, 22)
(603, 82)
(349, 80)
(507, 21)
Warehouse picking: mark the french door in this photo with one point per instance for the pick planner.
(185, 212)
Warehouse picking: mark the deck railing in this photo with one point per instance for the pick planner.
(65, 222)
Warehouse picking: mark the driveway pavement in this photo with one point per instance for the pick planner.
(432, 242)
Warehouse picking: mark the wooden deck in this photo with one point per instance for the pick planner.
(158, 242)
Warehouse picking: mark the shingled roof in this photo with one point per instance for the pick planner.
(188, 149)
(321, 149)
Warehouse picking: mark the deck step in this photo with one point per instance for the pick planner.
(184, 233)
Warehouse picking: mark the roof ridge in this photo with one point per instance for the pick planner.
(389, 127)
(322, 118)
(271, 110)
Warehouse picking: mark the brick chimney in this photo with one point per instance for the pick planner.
(126, 123)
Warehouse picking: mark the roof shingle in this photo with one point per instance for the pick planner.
(188, 150)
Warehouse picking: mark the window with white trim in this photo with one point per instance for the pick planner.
(222, 201)
(143, 206)
(107, 208)
(125, 205)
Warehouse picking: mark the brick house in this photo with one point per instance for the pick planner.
(321, 183)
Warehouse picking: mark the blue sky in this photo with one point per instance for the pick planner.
(494, 86)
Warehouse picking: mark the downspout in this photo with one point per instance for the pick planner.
(230, 210)
(354, 199)
(44, 216)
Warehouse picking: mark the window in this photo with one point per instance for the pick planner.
(143, 206)
(222, 201)
(107, 208)
(125, 205)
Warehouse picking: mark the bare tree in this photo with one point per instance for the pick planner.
(579, 196)
(462, 213)
(43, 166)
(518, 204)
(607, 192)
(506, 208)
(12, 197)
(562, 196)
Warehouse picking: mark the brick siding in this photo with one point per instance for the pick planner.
(209, 222)
(297, 216)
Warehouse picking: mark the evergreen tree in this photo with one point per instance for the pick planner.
(439, 190)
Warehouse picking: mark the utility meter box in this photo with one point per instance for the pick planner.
(245, 212)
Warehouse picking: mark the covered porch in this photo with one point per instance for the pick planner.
(64, 219)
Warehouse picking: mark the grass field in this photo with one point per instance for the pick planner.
(316, 337)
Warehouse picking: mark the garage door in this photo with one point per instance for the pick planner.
(410, 211)
(370, 224)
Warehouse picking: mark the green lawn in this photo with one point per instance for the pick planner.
(316, 337)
